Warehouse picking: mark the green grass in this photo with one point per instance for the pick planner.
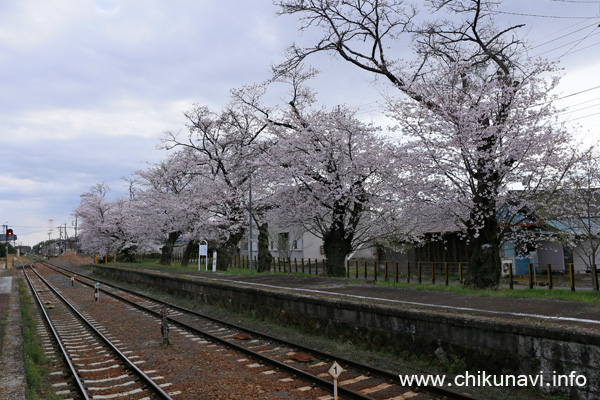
(36, 370)
(150, 264)
(556, 294)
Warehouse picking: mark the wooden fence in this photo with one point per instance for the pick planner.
(428, 272)
(410, 272)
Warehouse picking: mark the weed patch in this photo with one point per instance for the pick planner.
(36, 369)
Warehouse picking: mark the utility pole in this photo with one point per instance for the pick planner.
(60, 237)
(6, 245)
(75, 224)
(66, 238)
(250, 230)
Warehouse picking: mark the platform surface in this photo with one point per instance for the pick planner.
(5, 284)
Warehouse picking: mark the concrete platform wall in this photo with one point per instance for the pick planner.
(463, 342)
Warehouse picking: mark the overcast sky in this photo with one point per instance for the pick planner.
(87, 87)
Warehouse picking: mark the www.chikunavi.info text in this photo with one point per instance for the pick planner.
(483, 379)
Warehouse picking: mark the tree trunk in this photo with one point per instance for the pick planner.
(337, 247)
(185, 258)
(127, 255)
(167, 250)
(227, 249)
(484, 268)
(264, 255)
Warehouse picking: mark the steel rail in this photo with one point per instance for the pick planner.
(343, 391)
(440, 391)
(122, 356)
(74, 373)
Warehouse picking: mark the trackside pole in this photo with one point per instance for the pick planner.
(164, 327)
(335, 371)
(97, 291)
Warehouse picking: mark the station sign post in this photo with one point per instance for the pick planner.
(203, 251)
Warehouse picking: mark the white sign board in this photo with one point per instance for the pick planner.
(335, 370)
(203, 250)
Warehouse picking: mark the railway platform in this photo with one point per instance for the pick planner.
(560, 314)
(12, 362)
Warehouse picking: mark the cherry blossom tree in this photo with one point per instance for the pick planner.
(164, 201)
(335, 177)
(107, 226)
(476, 163)
(224, 146)
(478, 109)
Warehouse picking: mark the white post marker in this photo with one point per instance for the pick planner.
(335, 371)
(214, 266)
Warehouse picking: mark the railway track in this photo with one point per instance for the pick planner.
(358, 381)
(96, 366)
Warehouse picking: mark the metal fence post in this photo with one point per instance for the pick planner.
(446, 272)
(510, 276)
(386, 270)
(375, 270)
(572, 276)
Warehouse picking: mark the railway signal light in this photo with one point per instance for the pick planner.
(9, 233)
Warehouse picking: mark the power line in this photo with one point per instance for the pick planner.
(585, 116)
(563, 36)
(580, 92)
(581, 109)
(576, 1)
(579, 42)
(567, 44)
(578, 50)
(544, 16)
(582, 102)
(564, 29)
